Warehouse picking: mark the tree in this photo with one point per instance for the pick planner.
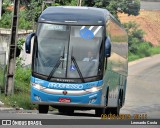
(131, 7)
(5, 4)
(32, 11)
(137, 45)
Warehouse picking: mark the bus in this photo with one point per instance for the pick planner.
(79, 60)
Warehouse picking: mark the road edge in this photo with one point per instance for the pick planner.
(141, 60)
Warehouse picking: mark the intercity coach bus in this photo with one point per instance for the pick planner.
(63, 74)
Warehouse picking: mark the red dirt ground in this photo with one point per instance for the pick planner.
(149, 22)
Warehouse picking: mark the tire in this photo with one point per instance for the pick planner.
(99, 112)
(114, 110)
(121, 99)
(68, 111)
(61, 111)
(43, 109)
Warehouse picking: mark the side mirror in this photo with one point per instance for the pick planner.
(28, 43)
(108, 47)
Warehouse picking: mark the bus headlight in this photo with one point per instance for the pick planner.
(38, 86)
(94, 89)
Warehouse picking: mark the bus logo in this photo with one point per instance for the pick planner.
(64, 86)
(65, 92)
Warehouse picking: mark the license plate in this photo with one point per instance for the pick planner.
(65, 100)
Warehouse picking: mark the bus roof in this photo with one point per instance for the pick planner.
(74, 15)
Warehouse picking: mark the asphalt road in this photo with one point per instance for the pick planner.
(143, 90)
(150, 5)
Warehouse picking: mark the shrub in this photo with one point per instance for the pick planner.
(138, 48)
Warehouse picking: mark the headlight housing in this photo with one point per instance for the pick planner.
(38, 86)
(94, 89)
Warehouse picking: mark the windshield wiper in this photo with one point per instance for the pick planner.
(77, 67)
(55, 67)
(61, 58)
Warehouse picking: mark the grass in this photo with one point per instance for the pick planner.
(22, 80)
(2, 70)
(144, 53)
(21, 97)
(133, 57)
(21, 100)
(155, 50)
(1, 77)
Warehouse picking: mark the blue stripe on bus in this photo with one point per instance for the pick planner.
(66, 86)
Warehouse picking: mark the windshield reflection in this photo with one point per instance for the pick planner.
(64, 53)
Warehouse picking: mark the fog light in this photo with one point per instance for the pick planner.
(94, 89)
(38, 86)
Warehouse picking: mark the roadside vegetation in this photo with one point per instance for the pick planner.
(138, 47)
(21, 97)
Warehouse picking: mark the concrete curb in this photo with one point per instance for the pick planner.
(3, 108)
(141, 60)
(1, 104)
(6, 109)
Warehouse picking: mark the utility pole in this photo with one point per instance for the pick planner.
(47, 2)
(79, 2)
(12, 51)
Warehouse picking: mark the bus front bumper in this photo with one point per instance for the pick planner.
(91, 100)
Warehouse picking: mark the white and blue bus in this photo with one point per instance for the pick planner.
(79, 60)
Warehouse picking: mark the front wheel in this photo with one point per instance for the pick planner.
(112, 111)
(43, 109)
(100, 111)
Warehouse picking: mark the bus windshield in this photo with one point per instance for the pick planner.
(57, 45)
